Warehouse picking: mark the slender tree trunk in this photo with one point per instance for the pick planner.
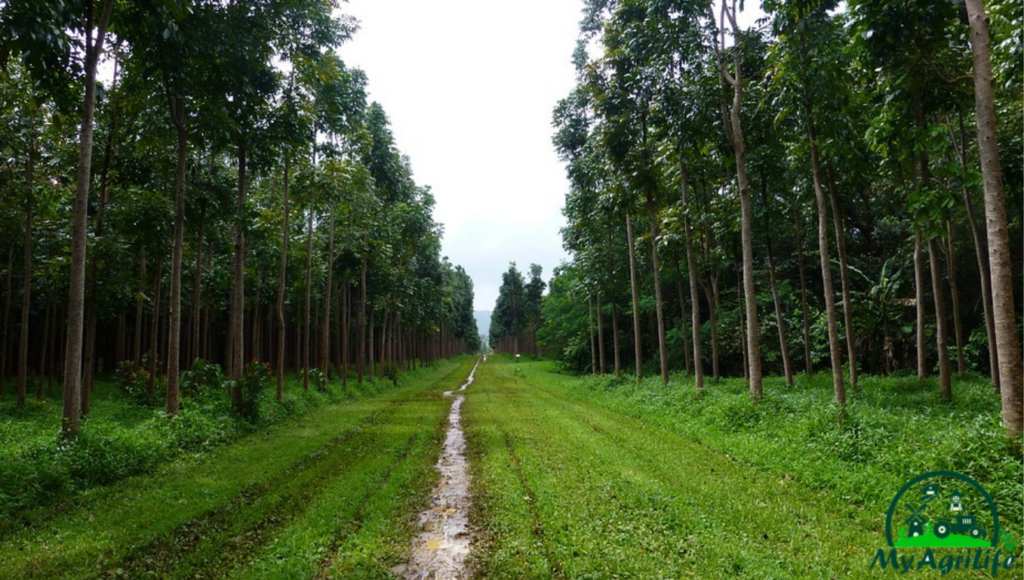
(137, 338)
(712, 296)
(281, 289)
(343, 330)
(615, 341)
(600, 337)
(698, 362)
(26, 293)
(325, 332)
(70, 421)
(198, 284)
(779, 321)
(1011, 375)
(174, 322)
(826, 274)
(636, 299)
(593, 349)
(954, 291)
(153, 333)
(837, 221)
(981, 254)
(922, 362)
(652, 221)
(803, 287)
(938, 296)
(362, 323)
(684, 325)
(373, 360)
(43, 349)
(743, 338)
(309, 289)
(4, 331)
(238, 288)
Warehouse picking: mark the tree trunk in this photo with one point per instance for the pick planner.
(1000, 261)
(70, 421)
(941, 332)
(593, 349)
(281, 288)
(808, 364)
(26, 293)
(43, 349)
(362, 323)
(309, 289)
(372, 360)
(615, 341)
(779, 321)
(174, 322)
(698, 362)
(154, 326)
(4, 330)
(954, 291)
(198, 284)
(137, 338)
(712, 296)
(826, 274)
(343, 330)
(743, 337)
(747, 236)
(652, 221)
(922, 363)
(837, 220)
(684, 325)
(238, 288)
(636, 298)
(600, 337)
(981, 254)
(325, 332)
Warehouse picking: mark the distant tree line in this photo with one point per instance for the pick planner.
(517, 312)
(235, 198)
(836, 187)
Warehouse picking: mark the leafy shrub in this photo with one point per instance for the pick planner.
(202, 381)
(256, 378)
(318, 379)
(133, 381)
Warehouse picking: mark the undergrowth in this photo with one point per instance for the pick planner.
(892, 430)
(124, 435)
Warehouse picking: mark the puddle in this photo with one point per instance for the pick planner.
(439, 551)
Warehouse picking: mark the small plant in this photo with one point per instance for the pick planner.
(133, 381)
(318, 379)
(202, 381)
(256, 378)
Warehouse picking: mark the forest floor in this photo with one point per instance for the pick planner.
(570, 478)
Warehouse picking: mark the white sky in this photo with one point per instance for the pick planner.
(469, 87)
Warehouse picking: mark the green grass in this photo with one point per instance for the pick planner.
(569, 485)
(333, 493)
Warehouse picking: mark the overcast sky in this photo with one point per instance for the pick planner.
(469, 87)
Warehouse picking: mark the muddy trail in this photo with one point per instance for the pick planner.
(441, 549)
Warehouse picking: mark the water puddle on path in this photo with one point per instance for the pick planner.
(439, 551)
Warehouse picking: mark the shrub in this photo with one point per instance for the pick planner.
(318, 379)
(256, 378)
(202, 381)
(133, 382)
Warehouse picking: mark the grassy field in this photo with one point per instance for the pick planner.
(567, 487)
(333, 493)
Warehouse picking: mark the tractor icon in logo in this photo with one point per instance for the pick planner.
(942, 516)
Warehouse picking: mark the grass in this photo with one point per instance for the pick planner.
(333, 493)
(576, 478)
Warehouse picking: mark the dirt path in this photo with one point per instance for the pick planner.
(440, 550)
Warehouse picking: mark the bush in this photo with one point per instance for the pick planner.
(203, 381)
(256, 378)
(133, 381)
(318, 379)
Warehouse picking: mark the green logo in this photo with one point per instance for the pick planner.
(948, 512)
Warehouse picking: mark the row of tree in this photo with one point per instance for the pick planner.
(230, 140)
(700, 152)
(517, 311)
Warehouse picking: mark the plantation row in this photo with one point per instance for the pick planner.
(236, 199)
(825, 189)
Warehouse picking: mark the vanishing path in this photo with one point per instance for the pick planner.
(332, 494)
(566, 489)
